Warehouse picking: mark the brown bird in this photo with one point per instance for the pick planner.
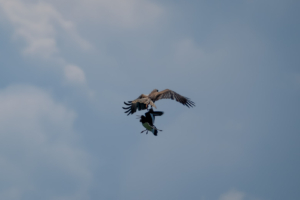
(142, 102)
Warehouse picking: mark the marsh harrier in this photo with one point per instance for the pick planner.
(142, 102)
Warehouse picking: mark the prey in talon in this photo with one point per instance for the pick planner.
(148, 121)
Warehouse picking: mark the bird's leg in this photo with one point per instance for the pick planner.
(157, 129)
(143, 130)
(147, 132)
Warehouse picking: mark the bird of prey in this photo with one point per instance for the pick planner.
(142, 102)
(148, 121)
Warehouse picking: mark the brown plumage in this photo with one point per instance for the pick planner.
(142, 102)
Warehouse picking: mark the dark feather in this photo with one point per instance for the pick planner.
(128, 104)
(169, 94)
(127, 111)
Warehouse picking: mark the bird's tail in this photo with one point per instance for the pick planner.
(155, 113)
(158, 113)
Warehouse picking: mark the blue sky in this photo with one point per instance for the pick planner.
(68, 66)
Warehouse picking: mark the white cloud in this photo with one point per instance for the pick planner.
(39, 154)
(39, 25)
(74, 74)
(48, 29)
(232, 195)
(116, 13)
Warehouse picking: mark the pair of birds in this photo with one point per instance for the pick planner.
(143, 101)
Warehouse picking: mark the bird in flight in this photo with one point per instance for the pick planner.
(142, 102)
(148, 121)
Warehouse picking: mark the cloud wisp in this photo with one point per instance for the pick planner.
(39, 148)
(124, 15)
(232, 195)
(39, 25)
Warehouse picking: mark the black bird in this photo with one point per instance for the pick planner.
(148, 121)
(142, 102)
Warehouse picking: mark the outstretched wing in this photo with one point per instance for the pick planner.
(169, 94)
(141, 103)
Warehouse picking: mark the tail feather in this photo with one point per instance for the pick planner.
(157, 113)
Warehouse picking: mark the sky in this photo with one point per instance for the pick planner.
(68, 66)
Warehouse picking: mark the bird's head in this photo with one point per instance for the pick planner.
(155, 90)
(141, 117)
